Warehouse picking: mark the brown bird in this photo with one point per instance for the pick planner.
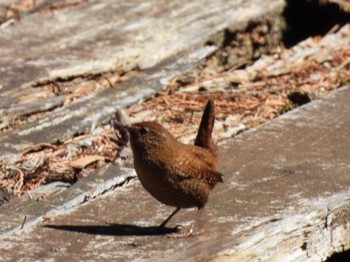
(174, 173)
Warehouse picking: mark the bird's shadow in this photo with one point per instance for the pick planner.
(116, 229)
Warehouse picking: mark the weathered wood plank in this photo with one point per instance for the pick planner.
(285, 197)
(107, 35)
(17, 110)
(162, 39)
(286, 190)
(87, 112)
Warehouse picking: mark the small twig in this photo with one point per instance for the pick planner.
(76, 139)
(7, 22)
(56, 89)
(48, 217)
(24, 220)
(39, 183)
(334, 29)
(37, 147)
(109, 81)
(19, 183)
(344, 64)
(30, 196)
(243, 62)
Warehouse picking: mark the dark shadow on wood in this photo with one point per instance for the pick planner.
(311, 18)
(339, 257)
(115, 229)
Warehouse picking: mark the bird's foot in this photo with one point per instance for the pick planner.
(182, 235)
(170, 230)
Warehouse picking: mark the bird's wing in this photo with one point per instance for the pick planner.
(196, 164)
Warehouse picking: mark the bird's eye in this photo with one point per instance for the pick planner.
(143, 130)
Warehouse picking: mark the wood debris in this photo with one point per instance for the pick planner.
(247, 98)
(67, 162)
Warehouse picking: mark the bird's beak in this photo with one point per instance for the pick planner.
(122, 129)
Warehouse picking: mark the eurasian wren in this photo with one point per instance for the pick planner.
(176, 174)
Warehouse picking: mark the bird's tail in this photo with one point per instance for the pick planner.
(205, 130)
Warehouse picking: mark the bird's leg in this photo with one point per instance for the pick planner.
(190, 231)
(162, 225)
